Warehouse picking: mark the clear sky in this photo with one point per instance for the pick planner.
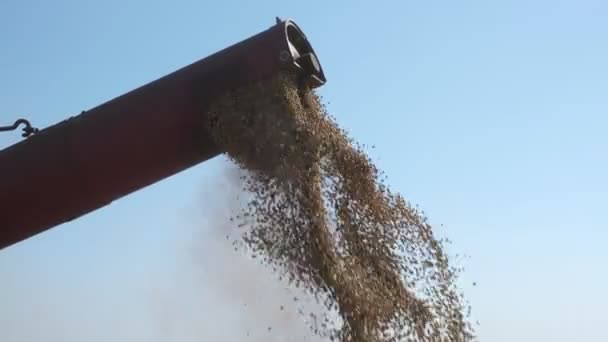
(491, 115)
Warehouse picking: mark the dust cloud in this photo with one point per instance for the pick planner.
(232, 296)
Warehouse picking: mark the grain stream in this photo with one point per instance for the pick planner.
(319, 213)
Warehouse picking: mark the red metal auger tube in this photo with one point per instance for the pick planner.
(85, 162)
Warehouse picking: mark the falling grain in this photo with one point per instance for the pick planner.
(319, 213)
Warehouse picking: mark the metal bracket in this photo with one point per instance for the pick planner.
(27, 130)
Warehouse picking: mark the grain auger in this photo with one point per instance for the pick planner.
(85, 162)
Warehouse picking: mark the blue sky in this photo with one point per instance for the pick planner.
(491, 115)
